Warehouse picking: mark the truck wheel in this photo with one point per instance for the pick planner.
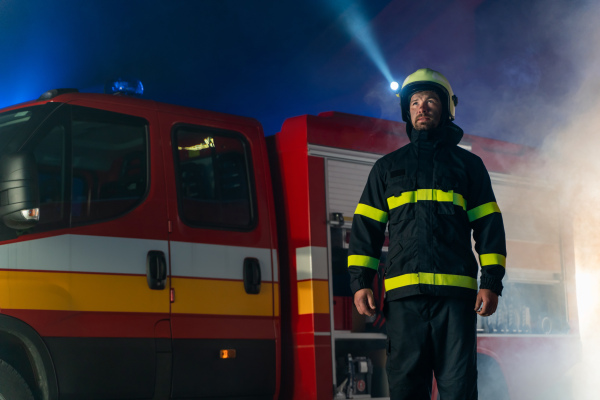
(12, 384)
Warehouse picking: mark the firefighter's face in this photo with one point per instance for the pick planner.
(425, 110)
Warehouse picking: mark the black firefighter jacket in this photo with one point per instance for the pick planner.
(432, 193)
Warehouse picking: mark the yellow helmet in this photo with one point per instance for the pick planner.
(427, 79)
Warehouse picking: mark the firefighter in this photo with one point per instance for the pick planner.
(430, 194)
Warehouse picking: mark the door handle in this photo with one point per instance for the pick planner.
(156, 270)
(252, 277)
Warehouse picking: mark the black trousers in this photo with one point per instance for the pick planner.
(431, 335)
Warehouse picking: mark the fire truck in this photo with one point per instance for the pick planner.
(154, 251)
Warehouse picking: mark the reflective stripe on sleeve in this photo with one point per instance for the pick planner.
(363, 261)
(483, 210)
(427, 194)
(492, 259)
(458, 200)
(371, 212)
(427, 278)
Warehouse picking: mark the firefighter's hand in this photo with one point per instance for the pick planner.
(365, 302)
(486, 302)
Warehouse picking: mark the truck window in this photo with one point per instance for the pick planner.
(49, 154)
(214, 185)
(92, 164)
(109, 162)
(15, 127)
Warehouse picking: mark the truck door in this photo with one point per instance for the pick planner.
(79, 277)
(223, 283)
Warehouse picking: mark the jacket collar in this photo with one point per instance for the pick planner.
(449, 133)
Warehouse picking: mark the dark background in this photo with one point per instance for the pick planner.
(512, 63)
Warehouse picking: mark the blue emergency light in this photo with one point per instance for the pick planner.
(129, 87)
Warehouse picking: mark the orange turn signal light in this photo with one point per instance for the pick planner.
(228, 353)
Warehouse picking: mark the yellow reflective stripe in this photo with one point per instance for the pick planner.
(313, 297)
(483, 210)
(440, 195)
(74, 291)
(400, 281)
(492, 259)
(456, 280)
(427, 194)
(427, 278)
(195, 296)
(404, 198)
(363, 261)
(458, 200)
(371, 212)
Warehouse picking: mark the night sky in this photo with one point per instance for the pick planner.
(512, 63)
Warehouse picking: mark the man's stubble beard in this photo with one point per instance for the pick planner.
(426, 126)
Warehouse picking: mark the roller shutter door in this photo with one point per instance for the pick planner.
(345, 183)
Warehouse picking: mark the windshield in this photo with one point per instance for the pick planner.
(17, 125)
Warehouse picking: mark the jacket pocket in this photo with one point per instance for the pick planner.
(393, 253)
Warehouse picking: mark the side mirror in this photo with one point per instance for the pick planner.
(19, 191)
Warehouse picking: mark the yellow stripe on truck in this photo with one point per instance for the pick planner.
(313, 297)
(276, 305)
(220, 297)
(70, 291)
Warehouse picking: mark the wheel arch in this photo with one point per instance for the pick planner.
(23, 348)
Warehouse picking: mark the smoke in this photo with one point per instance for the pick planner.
(575, 166)
(572, 164)
(383, 99)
